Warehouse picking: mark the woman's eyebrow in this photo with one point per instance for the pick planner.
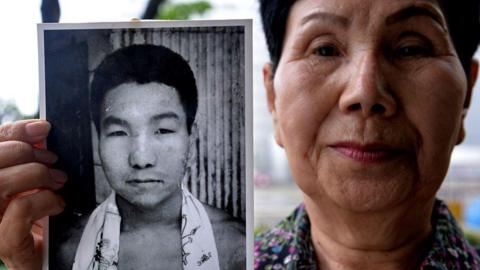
(414, 11)
(326, 17)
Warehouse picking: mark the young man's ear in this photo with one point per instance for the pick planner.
(270, 90)
(471, 83)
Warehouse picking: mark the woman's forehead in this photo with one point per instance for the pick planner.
(367, 10)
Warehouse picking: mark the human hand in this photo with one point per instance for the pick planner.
(26, 192)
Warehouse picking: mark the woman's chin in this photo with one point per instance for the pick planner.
(367, 202)
(365, 195)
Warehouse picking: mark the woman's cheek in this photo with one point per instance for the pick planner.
(433, 108)
(302, 107)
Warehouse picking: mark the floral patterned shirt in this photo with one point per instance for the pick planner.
(288, 245)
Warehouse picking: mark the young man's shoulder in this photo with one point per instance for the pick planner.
(230, 238)
(222, 219)
(67, 249)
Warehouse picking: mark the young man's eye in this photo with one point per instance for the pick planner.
(117, 133)
(327, 51)
(163, 131)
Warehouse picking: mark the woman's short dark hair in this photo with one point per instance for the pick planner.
(462, 18)
(144, 64)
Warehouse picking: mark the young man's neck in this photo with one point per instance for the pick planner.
(167, 213)
(393, 239)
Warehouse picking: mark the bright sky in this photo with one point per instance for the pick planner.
(18, 53)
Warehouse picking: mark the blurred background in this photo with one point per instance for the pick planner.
(275, 194)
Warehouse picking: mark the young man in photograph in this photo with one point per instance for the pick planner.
(143, 104)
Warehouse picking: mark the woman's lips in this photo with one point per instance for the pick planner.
(367, 153)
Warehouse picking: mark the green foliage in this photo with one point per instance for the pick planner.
(260, 228)
(473, 238)
(2, 266)
(182, 11)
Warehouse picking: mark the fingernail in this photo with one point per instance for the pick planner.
(45, 156)
(58, 177)
(37, 129)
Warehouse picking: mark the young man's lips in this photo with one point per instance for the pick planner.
(367, 153)
(144, 181)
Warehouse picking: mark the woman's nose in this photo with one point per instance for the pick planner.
(368, 91)
(141, 155)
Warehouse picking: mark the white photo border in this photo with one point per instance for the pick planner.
(135, 24)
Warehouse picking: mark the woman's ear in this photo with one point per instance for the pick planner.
(473, 72)
(270, 91)
(471, 83)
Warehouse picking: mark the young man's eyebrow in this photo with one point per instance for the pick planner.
(161, 116)
(414, 11)
(326, 17)
(112, 120)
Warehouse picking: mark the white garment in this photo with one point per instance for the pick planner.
(100, 243)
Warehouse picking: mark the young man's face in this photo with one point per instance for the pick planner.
(143, 142)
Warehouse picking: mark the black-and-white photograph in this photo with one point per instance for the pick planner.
(151, 122)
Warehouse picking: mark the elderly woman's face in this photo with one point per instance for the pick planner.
(367, 100)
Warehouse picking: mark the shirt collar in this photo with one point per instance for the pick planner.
(449, 249)
(288, 245)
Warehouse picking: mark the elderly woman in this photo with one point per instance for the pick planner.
(368, 100)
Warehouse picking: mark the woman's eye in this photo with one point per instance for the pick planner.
(412, 51)
(327, 51)
(117, 133)
(163, 131)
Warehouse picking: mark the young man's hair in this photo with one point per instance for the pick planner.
(462, 18)
(144, 64)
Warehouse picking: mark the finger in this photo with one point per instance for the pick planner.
(23, 211)
(17, 152)
(30, 131)
(37, 227)
(15, 228)
(25, 177)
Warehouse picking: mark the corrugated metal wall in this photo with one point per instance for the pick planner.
(216, 172)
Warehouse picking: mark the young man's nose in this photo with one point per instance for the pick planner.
(141, 155)
(368, 92)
